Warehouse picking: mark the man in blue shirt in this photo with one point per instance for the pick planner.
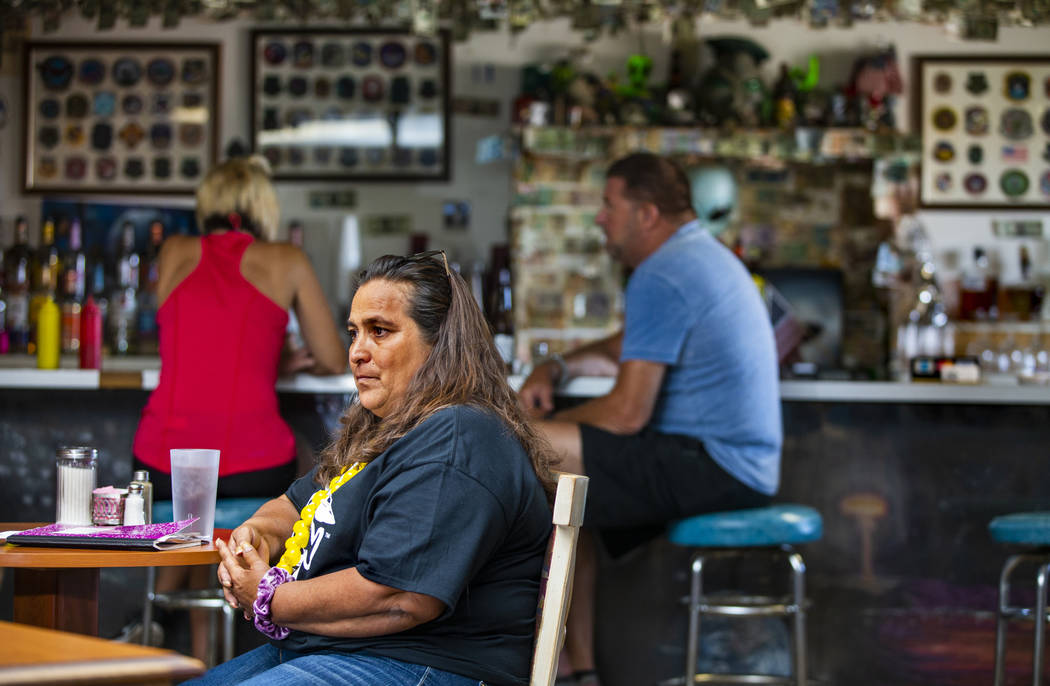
(692, 423)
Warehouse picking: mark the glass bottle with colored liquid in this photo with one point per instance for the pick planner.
(90, 335)
(46, 269)
(48, 334)
(17, 265)
(74, 287)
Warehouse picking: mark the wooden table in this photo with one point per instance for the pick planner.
(57, 588)
(31, 655)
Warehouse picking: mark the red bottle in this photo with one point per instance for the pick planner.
(90, 335)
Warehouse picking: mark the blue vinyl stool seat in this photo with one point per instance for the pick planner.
(1029, 530)
(772, 530)
(229, 514)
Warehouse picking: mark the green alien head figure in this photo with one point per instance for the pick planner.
(639, 67)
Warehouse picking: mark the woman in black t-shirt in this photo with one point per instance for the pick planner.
(413, 551)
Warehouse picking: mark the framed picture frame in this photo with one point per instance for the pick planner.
(351, 104)
(120, 117)
(985, 127)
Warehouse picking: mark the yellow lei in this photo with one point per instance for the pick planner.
(300, 538)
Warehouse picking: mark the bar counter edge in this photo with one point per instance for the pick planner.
(143, 373)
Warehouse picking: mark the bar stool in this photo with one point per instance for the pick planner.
(720, 535)
(1032, 531)
(229, 514)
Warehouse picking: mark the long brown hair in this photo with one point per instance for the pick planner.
(463, 368)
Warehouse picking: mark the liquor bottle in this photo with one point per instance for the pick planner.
(46, 269)
(147, 305)
(979, 289)
(150, 272)
(97, 283)
(477, 282)
(4, 340)
(296, 233)
(90, 335)
(785, 99)
(123, 301)
(47, 265)
(293, 334)
(17, 264)
(128, 261)
(74, 287)
(1021, 298)
(501, 305)
(70, 306)
(417, 243)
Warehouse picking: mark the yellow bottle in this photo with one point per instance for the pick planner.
(48, 334)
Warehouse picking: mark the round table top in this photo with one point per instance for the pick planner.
(31, 557)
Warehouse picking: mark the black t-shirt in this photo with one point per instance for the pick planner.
(452, 510)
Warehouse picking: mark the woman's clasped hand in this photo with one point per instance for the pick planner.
(240, 569)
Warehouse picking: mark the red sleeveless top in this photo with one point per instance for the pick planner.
(220, 339)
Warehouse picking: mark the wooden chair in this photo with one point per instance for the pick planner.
(568, 517)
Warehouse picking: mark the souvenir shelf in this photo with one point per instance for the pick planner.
(800, 144)
(568, 291)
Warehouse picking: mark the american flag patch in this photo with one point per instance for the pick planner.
(1015, 153)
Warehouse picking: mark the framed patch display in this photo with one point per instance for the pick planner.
(120, 117)
(351, 104)
(985, 126)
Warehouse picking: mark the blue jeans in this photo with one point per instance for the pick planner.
(270, 666)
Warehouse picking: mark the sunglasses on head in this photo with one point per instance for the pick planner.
(426, 255)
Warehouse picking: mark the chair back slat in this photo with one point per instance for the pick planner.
(569, 504)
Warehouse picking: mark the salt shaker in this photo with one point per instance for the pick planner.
(76, 480)
(141, 476)
(134, 506)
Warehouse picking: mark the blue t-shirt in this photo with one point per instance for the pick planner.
(453, 510)
(692, 306)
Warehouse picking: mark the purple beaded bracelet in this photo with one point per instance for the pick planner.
(273, 578)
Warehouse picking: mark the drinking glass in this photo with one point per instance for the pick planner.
(194, 482)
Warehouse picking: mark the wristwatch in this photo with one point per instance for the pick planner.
(563, 368)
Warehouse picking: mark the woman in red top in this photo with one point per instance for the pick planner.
(224, 300)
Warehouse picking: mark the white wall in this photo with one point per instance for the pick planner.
(487, 187)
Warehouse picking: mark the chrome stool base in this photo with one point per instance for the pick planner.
(792, 605)
(1006, 613)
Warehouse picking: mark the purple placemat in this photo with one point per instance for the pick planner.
(149, 532)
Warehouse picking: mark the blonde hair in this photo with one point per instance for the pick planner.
(242, 186)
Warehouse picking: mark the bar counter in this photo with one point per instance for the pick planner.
(18, 371)
(906, 475)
